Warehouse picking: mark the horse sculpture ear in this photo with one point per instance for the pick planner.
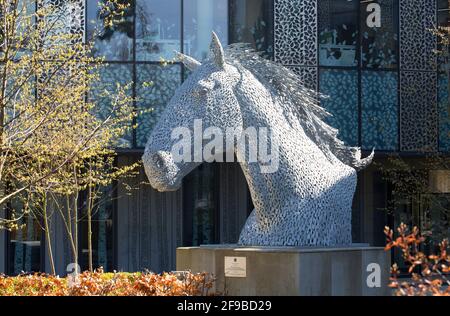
(216, 51)
(188, 61)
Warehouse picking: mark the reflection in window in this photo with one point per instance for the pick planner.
(200, 18)
(251, 22)
(444, 113)
(25, 247)
(157, 29)
(435, 218)
(443, 17)
(376, 211)
(338, 32)
(112, 42)
(379, 110)
(102, 233)
(155, 86)
(200, 212)
(342, 88)
(110, 75)
(443, 82)
(379, 44)
(357, 219)
(442, 4)
(403, 213)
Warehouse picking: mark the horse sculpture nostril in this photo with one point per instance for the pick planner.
(158, 161)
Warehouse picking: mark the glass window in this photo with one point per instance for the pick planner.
(200, 207)
(112, 42)
(338, 32)
(435, 218)
(157, 29)
(443, 8)
(25, 247)
(342, 88)
(442, 4)
(357, 219)
(443, 47)
(379, 110)
(377, 192)
(443, 17)
(403, 212)
(200, 18)
(444, 113)
(379, 45)
(251, 21)
(102, 233)
(110, 75)
(155, 86)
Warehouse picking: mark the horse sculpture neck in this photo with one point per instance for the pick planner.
(308, 189)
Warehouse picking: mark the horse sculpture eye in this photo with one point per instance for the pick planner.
(203, 91)
(200, 93)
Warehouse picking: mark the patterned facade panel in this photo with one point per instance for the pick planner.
(308, 75)
(296, 32)
(341, 89)
(71, 17)
(110, 75)
(152, 100)
(444, 113)
(417, 42)
(379, 105)
(418, 115)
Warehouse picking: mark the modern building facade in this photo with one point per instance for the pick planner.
(377, 62)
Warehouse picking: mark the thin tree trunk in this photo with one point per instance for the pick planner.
(75, 215)
(75, 226)
(70, 232)
(47, 235)
(89, 218)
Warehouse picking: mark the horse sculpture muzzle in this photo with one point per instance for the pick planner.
(161, 171)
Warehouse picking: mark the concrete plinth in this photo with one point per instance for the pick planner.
(354, 270)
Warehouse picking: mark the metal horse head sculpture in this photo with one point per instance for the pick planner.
(307, 201)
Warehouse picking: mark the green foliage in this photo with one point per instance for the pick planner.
(53, 142)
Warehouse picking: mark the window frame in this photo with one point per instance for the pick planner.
(114, 218)
(42, 247)
(134, 62)
(360, 69)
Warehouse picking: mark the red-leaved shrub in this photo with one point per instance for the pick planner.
(108, 284)
(428, 273)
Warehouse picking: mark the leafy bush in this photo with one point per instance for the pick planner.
(428, 273)
(108, 284)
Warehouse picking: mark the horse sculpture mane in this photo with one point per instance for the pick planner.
(298, 103)
(307, 200)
